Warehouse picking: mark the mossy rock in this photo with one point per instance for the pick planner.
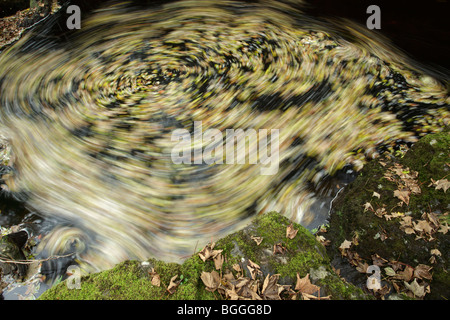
(303, 255)
(429, 157)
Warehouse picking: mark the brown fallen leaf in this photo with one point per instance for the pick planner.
(378, 261)
(405, 274)
(443, 228)
(291, 232)
(258, 240)
(422, 271)
(403, 195)
(278, 248)
(232, 294)
(156, 279)
(254, 269)
(211, 280)
(323, 240)
(237, 267)
(304, 285)
(218, 261)
(173, 285)
(271, 289)
(376, 194)
(443, 184)
(208, 252)
(344, 246)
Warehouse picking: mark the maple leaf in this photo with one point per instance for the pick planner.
(271, 289)
(323, 240)
(406, 274)
(403, 195)
(443, 184)
(304, 285)
(291, 232)
(423, 225)
(443, 228)
(415, 288)
(173, 284)
(345, 245)
(211, 280)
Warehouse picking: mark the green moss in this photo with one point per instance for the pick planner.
(130, 280)
(429, 157)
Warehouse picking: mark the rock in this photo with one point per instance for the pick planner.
(303, 255)
(392, 229)
(11, 250)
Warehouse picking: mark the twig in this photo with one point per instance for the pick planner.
(32, 261)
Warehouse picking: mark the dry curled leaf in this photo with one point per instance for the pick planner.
(436, 252)
(403, 195)
(345, 245)
(211, 280)
(422, 271)
(278, 248)
(218, 261)
(367, 206)
(271, 289)
(291, 232)
(304, 285)
(254, 269)
(415, 288)
(258, 240)
(173, 285)
(208, 252)
(406, 274)
(443, 184)
(156, 280)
